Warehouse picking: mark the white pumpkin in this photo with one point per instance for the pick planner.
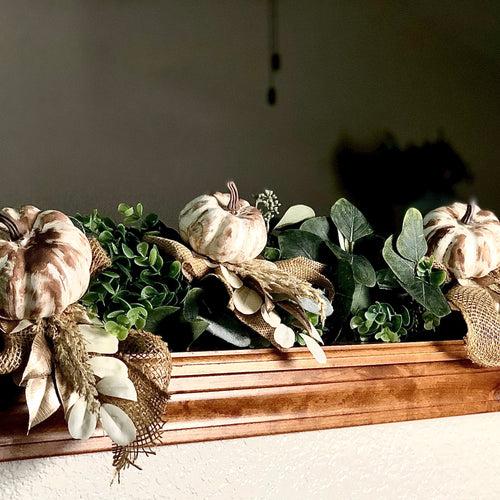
(44, 263)
(223, 227)
(464, 238)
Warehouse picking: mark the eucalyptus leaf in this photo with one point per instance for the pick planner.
(229, 329)
(360, 298)
(98, 340)
(117, 386)
(320, 226)
(198, 326)
(314, 348)
(106, 366)
(157, 315)
(294, 215)
(246, 300)
(190, 305)
(295, 243)
(411, 242)
(363, 271)
(117, 424)
(284, 336)
(350, 221)
(272, 318)
(81, 421)
(424, 293)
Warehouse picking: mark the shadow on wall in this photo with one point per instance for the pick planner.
(383, 180)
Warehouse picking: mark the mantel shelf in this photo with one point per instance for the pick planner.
(230, 394)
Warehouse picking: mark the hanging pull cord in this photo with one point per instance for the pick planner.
(275, 59)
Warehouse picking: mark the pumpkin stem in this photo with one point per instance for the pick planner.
(469, 213)
(232, 206)
(11, 227)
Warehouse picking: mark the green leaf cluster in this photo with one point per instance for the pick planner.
(358, 260)
(408, 264)
(380, 321)
(139, 290)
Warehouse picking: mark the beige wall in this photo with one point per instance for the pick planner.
(158, 101)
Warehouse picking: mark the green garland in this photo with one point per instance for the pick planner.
(386, 290)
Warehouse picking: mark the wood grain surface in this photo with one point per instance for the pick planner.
(230, 394)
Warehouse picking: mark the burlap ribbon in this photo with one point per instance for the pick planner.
(49, 357)
(293, 278)
(478, 301)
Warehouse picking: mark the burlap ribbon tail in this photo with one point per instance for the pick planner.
(478, 301)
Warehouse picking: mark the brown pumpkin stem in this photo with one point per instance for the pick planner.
(234, 198)
(11, 227)
(469, 213)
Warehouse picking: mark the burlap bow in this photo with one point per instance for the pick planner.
(50, 358)
(293, 279)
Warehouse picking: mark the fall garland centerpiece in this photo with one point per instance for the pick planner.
(83, 299)
(61, 355)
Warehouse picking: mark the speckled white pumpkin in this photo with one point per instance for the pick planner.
(223, 227)
(44, 263)
(464, 238)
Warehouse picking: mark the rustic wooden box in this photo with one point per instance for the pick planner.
(229, 394)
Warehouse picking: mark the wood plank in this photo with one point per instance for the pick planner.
(453, 347)
(210, 433)
(190, 435)
(245, 405)
(308, 363)
(223, 381)
(338, 350)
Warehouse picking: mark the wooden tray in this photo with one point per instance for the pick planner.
(230, 394)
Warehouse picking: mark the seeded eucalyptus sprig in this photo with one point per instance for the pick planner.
(139, 289)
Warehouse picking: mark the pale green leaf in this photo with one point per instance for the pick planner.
(97, 339)
(117, 387)
(107, 366)
(411, 242)
(294, 215)
(81, 421)
(117, 424)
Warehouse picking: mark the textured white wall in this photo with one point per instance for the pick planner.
(448, 458)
